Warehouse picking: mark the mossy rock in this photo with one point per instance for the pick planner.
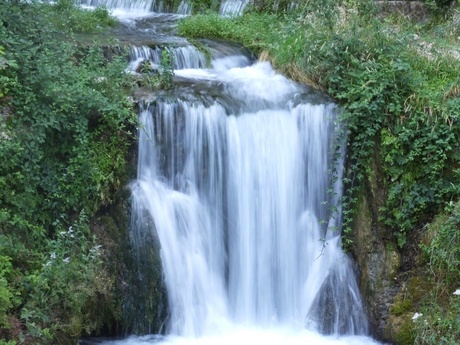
(392, 261)
(400, 328)
(418, 287)
(401, 306)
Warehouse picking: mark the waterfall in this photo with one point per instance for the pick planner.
(237, 204)
(238, 194)
(228, 8)
(140, 5)
(182, 57)
(231, 8)
(239, 184)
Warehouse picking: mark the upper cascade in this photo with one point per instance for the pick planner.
(227, 8)
(182, 57)
(232, 8)
(142, 5)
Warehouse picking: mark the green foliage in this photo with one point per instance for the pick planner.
(204, 26)
(203, 6)
(254, 30)
(60, 292)
(7, 298)
(6, 79)
(65, 125)
(441, 308)
(166, 69)
(442, 247)
(66, 16)
(161, 78)
(439, 325)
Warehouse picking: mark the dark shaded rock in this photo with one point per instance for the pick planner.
(336, 309)
(376, 252)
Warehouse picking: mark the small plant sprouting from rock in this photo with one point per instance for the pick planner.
(158, 77)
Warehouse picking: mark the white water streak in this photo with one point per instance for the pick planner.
(232, 8)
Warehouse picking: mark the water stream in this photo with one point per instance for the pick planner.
(234, 170)
(227, 8)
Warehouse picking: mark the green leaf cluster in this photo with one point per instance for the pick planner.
(441, 258)
(161, 78)
(65, 129)
(66, 16)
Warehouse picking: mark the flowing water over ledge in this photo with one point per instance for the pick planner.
(228, 8)
(233, 172)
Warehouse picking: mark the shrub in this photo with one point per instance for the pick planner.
(64, 135)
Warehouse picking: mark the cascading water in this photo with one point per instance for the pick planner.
(227, 8)
(236, 197)
(233, 177)
(182, 57)
(139, 5)
(231, 8)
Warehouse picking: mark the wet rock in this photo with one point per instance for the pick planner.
(335, 309)
(376, 254)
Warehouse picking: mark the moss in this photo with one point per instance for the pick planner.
(405, 332)
(390, 247)
(110, 228)
(400, 326)
(361, 236)
(418, 287)
(401, 306)
(392, 261)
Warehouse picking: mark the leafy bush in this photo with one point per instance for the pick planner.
(65, 125)
(157, 79)
(66, 16)
(7, 298)
(441, 308)
(61, 291)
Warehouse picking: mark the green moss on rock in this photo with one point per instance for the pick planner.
(401, 307)
(401, 329)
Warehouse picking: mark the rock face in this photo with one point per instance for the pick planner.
(330, 305)
(135, 300)
(376, 254)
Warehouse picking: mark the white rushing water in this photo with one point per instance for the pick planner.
(237, 191)
(131, 5)
(234, 179)
(184, 57)
(232, 8)
(228, 8)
